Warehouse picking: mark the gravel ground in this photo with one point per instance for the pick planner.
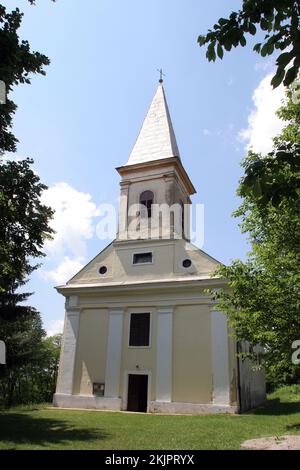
(273, 443)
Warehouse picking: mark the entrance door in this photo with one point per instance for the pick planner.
(137, 392)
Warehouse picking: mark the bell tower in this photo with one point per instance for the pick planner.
(155, 188)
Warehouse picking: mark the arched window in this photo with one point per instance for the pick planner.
(146, 199)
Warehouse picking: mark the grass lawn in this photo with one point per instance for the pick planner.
(39, 427)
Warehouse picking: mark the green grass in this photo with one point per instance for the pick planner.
(42, 428)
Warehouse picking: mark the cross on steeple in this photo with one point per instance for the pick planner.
(161, 74)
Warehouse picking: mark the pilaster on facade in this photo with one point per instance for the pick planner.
(164, 366)
(123, 212)
(68, 354)
(113, 354)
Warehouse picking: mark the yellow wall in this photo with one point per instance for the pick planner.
(91, 350)
(192, 362)
(167, 262)
(192, 374)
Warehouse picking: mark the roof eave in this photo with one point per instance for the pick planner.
(161, 285)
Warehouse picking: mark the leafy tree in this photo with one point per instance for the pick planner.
(263, 301)
(30, 370)
(23, 230)
(32, 361)
(17, 62)
(21, 328)
(48, 368)
(24, 222)
(279, 19)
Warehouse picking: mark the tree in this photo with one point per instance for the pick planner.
(21, 327)
(46, 375)
(23, 230)
(279, 19)
(24, 222)
(17, 62)
(263, 300)
(32, 363)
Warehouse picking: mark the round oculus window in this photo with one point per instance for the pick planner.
(103, 270)
(187, 263)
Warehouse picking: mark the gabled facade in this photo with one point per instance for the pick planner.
(141, 333)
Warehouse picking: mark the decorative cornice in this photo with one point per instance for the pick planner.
(160, 164)
(157, 285)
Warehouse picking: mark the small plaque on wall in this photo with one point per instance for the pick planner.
(98, 389)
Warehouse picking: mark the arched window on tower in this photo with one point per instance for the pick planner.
(146, 199)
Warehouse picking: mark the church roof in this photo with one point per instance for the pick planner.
(156, 139)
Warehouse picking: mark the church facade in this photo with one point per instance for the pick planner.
(141, 332)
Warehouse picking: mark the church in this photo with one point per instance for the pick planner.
(141, 331)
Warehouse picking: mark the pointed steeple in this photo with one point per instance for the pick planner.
(156, 139)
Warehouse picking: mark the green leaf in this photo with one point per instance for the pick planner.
(227, 45)
(264, 50)
(252, 29)
(290, 75)
(267, 49)
(220, 51)
(201, 40)
(211, 53)
(278, 77)
(243, 41)
(284, 58)
(257, 47)
(222, 21)
(264, 24)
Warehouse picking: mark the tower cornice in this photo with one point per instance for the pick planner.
(159, 165)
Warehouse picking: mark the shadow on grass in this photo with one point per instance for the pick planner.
(293, 427)
(19, 428)
(275, 407)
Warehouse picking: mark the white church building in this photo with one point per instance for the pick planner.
(141, 332)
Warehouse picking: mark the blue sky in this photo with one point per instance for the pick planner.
(81, 120)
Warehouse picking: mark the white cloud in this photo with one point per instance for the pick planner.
(73, 224)
(263, 124)
(72, 220)
(55, 327)
(66, 269)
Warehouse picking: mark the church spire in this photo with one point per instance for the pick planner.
(156, 139)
